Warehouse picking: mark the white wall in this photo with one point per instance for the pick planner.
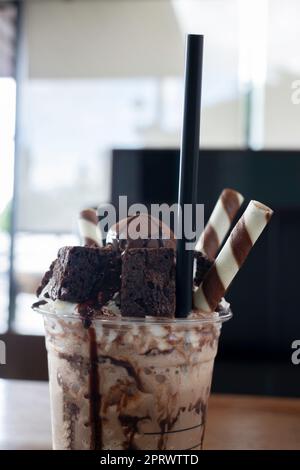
(104, 38)
(135, 38)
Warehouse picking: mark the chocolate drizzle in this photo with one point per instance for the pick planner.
(156, 352)
(94, 394)
(167, 425)
(86, 311)
(126, 365)
(130, 426)
(199, 407)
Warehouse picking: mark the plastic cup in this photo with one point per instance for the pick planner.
(130, 383)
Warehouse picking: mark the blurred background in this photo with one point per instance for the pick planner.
(91, 107)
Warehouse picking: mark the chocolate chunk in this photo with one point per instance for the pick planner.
(84, 273)
(148, 282)
(203, 263)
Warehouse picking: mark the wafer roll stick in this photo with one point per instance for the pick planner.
(88, 228)
(232, 256)
(219, 222)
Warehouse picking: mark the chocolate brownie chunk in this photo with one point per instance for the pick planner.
(84, 273)
(203, 263)
(148, 282)
(45, 280)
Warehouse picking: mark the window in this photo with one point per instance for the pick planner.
(7, 130)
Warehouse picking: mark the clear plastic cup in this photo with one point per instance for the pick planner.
(130, 383)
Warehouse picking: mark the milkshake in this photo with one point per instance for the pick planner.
(124, 372)
(130, 384)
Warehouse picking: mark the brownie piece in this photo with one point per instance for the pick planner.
(148, 282)
(45, 280)
(203, 263)
(111, 282)
(84, 273)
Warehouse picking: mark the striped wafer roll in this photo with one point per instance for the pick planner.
(88, 228)
(219, 222)
(232, 256)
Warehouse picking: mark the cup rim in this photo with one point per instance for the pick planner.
(213, 318)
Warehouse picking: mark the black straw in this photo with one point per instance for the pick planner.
(189, 155)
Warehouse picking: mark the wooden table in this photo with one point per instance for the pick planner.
(234, 422)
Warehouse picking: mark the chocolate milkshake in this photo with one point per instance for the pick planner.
(131, 350)
(124, 373)
(130, 384)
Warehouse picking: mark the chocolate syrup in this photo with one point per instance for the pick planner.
(129, 367)
(94, 394)
(166, 425)
(86, 311)
(130, 426)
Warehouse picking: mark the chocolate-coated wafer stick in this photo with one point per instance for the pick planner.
(219, 222)
(88, 228)
(232, 256)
